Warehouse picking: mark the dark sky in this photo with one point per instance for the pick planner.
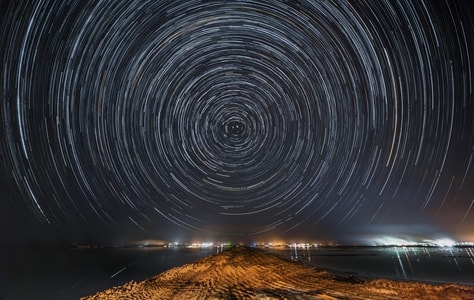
(329, 119)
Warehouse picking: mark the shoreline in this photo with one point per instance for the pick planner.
(366, 276)
(243, 273)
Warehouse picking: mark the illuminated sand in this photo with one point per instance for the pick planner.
(243, 273)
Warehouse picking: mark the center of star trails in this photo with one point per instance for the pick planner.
(234, 128)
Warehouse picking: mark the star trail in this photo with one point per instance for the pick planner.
(237, 118)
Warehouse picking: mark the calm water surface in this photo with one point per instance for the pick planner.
(431, 264)
(54, 273)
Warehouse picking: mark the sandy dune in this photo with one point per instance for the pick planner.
(247, 273)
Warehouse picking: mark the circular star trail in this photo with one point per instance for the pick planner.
(239, 117)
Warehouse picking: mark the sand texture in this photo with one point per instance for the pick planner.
(247, 273)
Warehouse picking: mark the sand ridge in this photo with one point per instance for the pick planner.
(249, 273)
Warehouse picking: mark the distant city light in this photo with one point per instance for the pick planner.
(393, 241)
(444, 242)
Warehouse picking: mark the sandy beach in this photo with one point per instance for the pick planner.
(249, 273)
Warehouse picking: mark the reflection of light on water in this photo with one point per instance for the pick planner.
(470, 253)
(408, 259)
(295, 255)
(451, 254)
(427, 252)
(424, 263)
(220, 248)
(400, 263)
(455, 260)
(305, 250)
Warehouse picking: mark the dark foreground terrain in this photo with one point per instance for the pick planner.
(243, 273)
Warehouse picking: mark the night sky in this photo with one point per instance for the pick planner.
(325, 119)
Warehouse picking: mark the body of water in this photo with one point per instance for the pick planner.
(60, 273)
(70, 273)
(428, 264)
